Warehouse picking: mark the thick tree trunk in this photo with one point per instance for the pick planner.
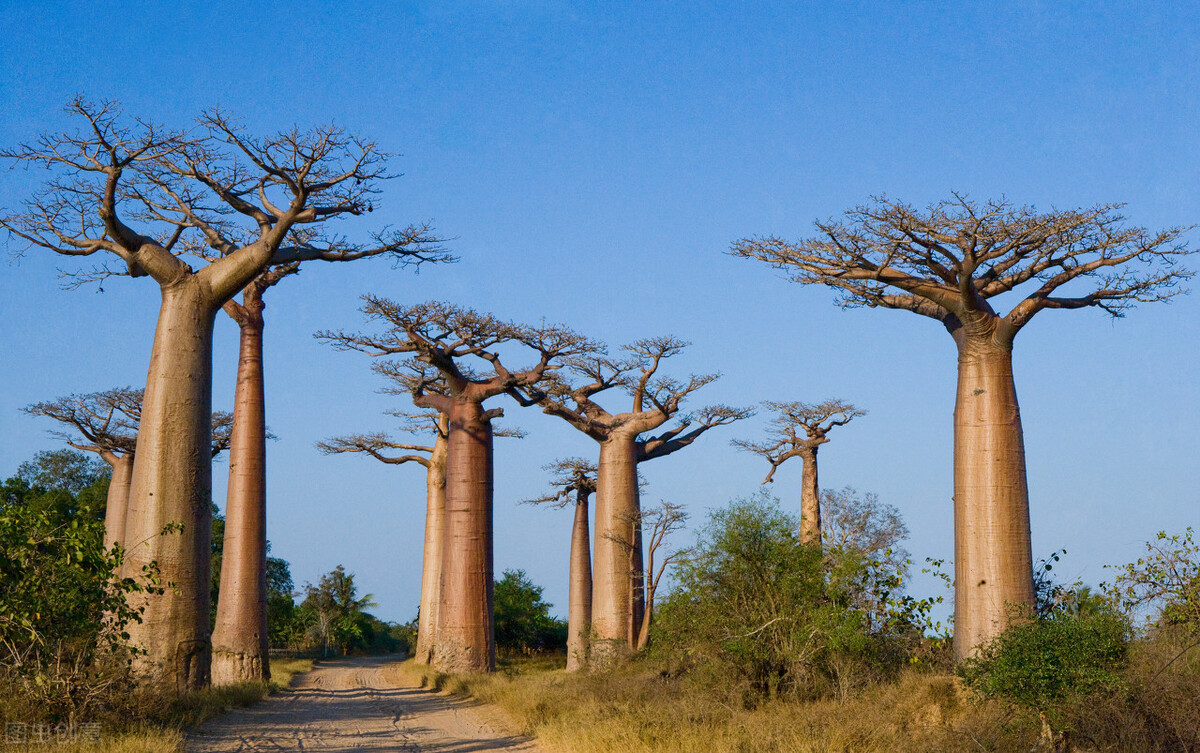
(240, 648)
(617, 506)
(579, 598)
(169, 516)
(810, 499)
(435, 533)
(116, 507)
(465, 635)
(993, 562)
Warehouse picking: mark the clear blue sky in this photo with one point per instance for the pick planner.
(593, 163)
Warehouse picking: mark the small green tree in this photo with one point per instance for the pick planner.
(336, 610)
(523, 621)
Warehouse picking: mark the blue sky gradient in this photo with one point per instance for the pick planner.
(592, 164)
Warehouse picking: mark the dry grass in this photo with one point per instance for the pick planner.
(637, 709)
(160, 724)
(283, 670)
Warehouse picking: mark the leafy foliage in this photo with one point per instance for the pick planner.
(1165, 581)
(523, 621)
(1044, 662)
(63, 615)
(754, 603)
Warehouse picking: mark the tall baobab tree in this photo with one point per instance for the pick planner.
(106, 423)
(618, 596)
(240, 635)
(449, 339)
(576, 476)
(949, 262)
(152, 197)
(799, 430)
(432, 457)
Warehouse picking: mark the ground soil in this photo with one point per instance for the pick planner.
(357, 704)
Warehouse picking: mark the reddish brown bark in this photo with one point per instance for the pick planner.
(992, 555)
(618, 580)
(579, 598)
(799, 430)
(465, 634)
(438, 336)
(240, 648)
(195, 186)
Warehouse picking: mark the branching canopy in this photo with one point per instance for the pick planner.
(799, 429)
(572, 476)
(107, 422)
(948, 261)
(460, 347)
(153, 196)
(656, 399)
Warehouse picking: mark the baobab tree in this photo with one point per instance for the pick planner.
(106, 423)
(240, 634)
(618, 597)
(152, 197)
(576, 476)
(949, 262)
(799, 430)
(453, 341)
(432, 457)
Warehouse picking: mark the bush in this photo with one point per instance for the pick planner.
(780, 617)
(1047, 663)
(62, 613)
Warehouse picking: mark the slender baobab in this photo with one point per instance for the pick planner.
(617, 584)
(106, 423)
(153, 198)
(799, 430)
(240, 635)
(947, 263)
(576, 476)
(448, 338)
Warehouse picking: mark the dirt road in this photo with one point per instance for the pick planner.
(354, 704)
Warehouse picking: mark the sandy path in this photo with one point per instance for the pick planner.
(352, 704)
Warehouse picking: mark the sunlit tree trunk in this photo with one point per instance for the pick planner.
(810, 498)
(465, 635)
(116, 507)
(993, 571)
(612, 583)
(171, 486)
(240, 647)
(435, 532)
(579, 599)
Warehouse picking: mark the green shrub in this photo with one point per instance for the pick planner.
(780, 617)
(1046, 663)
(62, 613)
